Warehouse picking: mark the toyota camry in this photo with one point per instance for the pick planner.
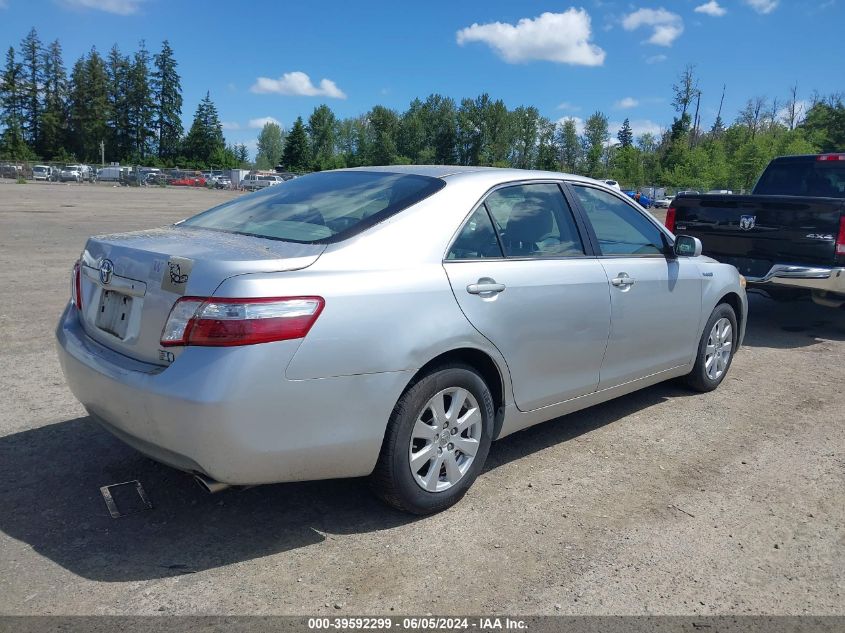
(388, 322)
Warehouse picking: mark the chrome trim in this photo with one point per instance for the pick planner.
(809, 277)
(123, 285)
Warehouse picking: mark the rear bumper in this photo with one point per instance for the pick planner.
(807, 277)
(230, 413)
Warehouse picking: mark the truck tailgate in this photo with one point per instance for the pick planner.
(755, 232)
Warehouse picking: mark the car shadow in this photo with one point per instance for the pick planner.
(49, 491)
(791, 324)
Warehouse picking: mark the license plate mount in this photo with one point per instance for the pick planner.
(114, 312)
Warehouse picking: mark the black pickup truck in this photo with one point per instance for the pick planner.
(787, 237)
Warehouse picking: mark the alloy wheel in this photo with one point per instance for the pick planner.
(445, 439)
(717, 354)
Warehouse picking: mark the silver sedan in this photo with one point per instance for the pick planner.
(387, 322)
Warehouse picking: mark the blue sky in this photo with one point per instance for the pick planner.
(281, 59)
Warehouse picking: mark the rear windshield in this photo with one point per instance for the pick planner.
(321, 207)
(820, 179)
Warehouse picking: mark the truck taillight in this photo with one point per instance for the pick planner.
(670, 219)
(228, 322)
(830, 157)
(76, 285)
(840, 239)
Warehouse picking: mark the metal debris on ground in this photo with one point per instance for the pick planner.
(135, 504)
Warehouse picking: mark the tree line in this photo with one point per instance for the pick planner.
(121, 107)
(132, 105)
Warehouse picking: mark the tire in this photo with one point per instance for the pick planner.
(420, 492)
(704, 377)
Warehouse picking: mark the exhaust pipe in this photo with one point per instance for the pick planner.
(211, 486)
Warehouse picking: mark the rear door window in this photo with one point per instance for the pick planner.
(534, 220)
(477, 239)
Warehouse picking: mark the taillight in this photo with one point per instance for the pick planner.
(670, 219)
(76, 285)
(840, 239)
(830, 157)
(228, 322)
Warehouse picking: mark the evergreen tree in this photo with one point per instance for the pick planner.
(55, 114)
(295, 156)
(438, 115)
(205, 138)
(241, 154)
(271, 144)
(322, 128)
(569, 146)
(594, 140)
(32, 81)
(167, 91)
(626, 135)
(12, 143)
(524, 121)
(383, 127)
(119, 145)
(547, 150)
(141, 108)
(89, 106)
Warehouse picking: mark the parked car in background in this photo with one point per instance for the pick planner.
(109, 174)
(11, 170)
(663, 203)
(71, 173)
(787, 237)
(688, 192)
(155, 178)
(253, 182)
(187, 180)
(612, 184)
(42, 172)
(222, 182)
(643, 200)
(254, 351)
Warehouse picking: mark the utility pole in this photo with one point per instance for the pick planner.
(102, 153)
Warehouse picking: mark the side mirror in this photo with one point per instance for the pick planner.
(687, 246)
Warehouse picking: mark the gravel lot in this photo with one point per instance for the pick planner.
(662, 502)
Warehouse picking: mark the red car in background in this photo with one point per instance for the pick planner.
(187, 180)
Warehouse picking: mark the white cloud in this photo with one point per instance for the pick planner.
(230, 125)
(626, 103)
(257, 124)
(763, 6)
(666, 26)
(712, 8)
(571, 107)
(556, 37)
(118, 7)
(638, 126)
(656, 59)
(579, 123)
(298, 84)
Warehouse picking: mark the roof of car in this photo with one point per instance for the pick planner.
(456, 171)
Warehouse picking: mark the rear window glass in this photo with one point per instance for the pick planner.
(821, 179)
(322, 207)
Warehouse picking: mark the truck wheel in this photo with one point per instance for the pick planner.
(436, 442)
(715, 350)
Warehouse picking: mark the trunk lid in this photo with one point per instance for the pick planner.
(755, 232)
(130, 281)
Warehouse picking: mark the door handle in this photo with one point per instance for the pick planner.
(485, 286)
(622, 280)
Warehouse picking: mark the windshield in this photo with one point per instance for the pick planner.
(820, 179)
(321, 207)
